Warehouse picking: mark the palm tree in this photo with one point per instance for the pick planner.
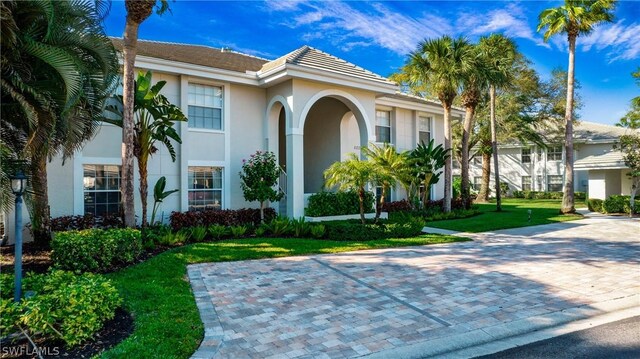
(351, 174)
(137, 12)
(58, 68)
(155, 117)
(441, 64)
(391, 167)
(500, 53)
(475, 81)
(427, 160)
(574, 18)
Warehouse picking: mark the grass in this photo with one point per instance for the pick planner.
(514, 214)
(158, 294)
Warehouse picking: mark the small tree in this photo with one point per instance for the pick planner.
(428, 161)
(258, 178)
(352, 174)
(629, 145)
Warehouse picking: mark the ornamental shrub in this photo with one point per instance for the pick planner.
(95, 250)
(338, 203)
(258, 179)
(227, 217)
(594, 204)
(616, 204)
(64, 305)
(87, 221)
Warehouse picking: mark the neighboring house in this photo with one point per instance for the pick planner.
(598, 168)
(308, 107)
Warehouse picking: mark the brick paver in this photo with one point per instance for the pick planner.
(357, 303)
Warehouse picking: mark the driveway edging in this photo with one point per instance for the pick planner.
(213, 332)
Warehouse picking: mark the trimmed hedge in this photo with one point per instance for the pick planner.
(432, 206)
(95, 250)
(594, 204)
(226, 217)
(87, 221)
(619, 204)
(353, 230)
(338, 203)
(64, 306)
(579, 196)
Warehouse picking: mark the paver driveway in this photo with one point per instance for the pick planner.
(359, 303)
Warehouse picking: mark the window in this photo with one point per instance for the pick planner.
(526, 183)
(477, 183)
(387, 195)
(526, 155)
(554, 153)
(205, 107)
(205, 188)
(101, 189)
(424, 129)
(540, 184)
(383, 126)
(554, 183)
(477, 160)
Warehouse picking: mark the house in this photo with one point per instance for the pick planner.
(598, 169)
(310, 108)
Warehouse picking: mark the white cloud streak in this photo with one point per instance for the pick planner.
(622, 40)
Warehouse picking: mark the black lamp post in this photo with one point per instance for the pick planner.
(18, 186)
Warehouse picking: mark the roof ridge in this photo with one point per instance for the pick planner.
(295, 54)
(198, 45)
(346, 62)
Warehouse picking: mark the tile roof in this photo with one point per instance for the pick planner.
(310, 57)
(197, 55)
(609, 160)
(591, 131)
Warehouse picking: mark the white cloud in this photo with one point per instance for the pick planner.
(621, 40)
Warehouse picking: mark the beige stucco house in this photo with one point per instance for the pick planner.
(598, 169)
(308, 107)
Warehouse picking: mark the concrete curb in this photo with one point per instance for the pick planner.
(517, 333)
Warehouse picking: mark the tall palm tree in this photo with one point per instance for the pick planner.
(155, 117)
(500, 53)
(137, 12)
(351, 174)
(427, 161)
(474, 83)
(391, 167)
(58, 68)
(574, 18)
(441, 64)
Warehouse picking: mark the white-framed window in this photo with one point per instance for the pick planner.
(526, 183)
(424, 129)
(383, 126)
(101, 187)
(477, 183)
(205, 107)
(554, 153)
(525, 155)
(205, 188)
(387, 195)
(554, 183)
(477, 160)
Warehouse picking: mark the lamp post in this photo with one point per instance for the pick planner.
(18, 185)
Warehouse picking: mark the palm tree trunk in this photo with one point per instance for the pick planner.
(41, 219)
(361, 199)
(447, 164)
(466, 134)
(494, 145)
(380, 203)
(130, 40)
(483, 196)
(634, 190)
(144, 187)
(567, 197)
(427, 190)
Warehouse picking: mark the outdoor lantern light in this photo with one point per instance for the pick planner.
(18, 183)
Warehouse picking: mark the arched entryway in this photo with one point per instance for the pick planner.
(278, 118)
(333, 125)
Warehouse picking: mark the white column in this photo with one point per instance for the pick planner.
(295, 174)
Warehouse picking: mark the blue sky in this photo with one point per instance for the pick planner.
(379, 35)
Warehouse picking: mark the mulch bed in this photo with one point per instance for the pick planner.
(112, 333)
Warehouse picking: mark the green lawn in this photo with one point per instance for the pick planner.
(514, 214)
(158, 294)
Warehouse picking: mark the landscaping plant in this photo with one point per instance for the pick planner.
(217, 231)
(258, 179)
(238, 231)
(198, 233)
(159, 194)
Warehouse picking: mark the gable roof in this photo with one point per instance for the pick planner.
(310, 57)
(597, 132)
(197, 55)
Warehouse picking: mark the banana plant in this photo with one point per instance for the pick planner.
(159, 194)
